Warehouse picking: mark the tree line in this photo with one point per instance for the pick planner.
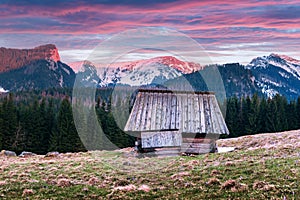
(254, 115)
(46, 123)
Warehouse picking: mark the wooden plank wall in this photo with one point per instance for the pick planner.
(161, 139)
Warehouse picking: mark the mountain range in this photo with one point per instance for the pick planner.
(41, 68)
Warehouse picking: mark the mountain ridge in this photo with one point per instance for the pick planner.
(276, 74)
(41, 67)
(11, 59)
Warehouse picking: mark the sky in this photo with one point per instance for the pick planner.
(228, 31)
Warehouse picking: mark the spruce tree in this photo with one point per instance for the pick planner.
(50, 120)
(261, 121)
(1, 126)
(246, 112)
(271, 116)
(65, 138)
(253, 115)
(232, 114)
(43, 127)
(281, 123)
(94, 135)
(298, 113)
(291, 115)
(9, 123)
(36, 128)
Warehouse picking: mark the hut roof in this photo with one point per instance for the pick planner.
(188, 112)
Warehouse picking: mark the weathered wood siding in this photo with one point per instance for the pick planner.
(161, 110)
(161, 139)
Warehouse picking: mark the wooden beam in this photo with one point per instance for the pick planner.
(202, 115)
(207, 117)
(197, 140)
(130, 125)
(179, 122)
(173, 111)
(197, 145)
(174, 91)
(139, 113)
(153, 113)
(158, 112)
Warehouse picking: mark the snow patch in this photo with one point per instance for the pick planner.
(293, 91)
(52, 65)
(66, 70)
(2, 90)
(61, 81)
(225, 149)
(284, 75)
(271, 82)
(269, 92)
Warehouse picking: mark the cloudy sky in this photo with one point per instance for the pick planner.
(235, 31)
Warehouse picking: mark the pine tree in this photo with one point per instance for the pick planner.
(9, 123)
(1, 126)
(36, 128)
(261, 121)
(271, 116)
(232, 114)
(281, 123)
(50, 123)
(253, 115)
(65, 138)
(94, 133)
(246, 112)
(291, 115)
(43, 127)
(80, 117)
(298, 112)
(21, 134)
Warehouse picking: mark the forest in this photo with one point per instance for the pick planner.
(42, 121)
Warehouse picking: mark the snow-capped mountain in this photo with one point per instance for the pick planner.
(41, 68)
(87, 75)
(141, 72)
(276, 74)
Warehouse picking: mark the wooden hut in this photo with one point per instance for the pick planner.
(188, 121)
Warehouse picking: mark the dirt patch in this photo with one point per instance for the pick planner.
(262, 185)
(234, 186)
(213, 181)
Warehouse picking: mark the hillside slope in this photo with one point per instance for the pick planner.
(252, 172)
(287, 139)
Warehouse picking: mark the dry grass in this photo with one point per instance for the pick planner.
(257, 172)
(234, 186)
(262, 185)
(213, 181)
(288, 139)
(27, 192)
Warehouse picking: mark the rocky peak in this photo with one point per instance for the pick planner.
(15, 58)
(285, 58)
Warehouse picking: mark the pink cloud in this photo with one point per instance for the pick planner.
(213, 22)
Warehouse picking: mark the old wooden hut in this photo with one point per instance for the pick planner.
(188, 121)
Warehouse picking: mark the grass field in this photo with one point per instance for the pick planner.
(263, 167)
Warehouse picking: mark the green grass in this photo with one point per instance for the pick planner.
(168, 178)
